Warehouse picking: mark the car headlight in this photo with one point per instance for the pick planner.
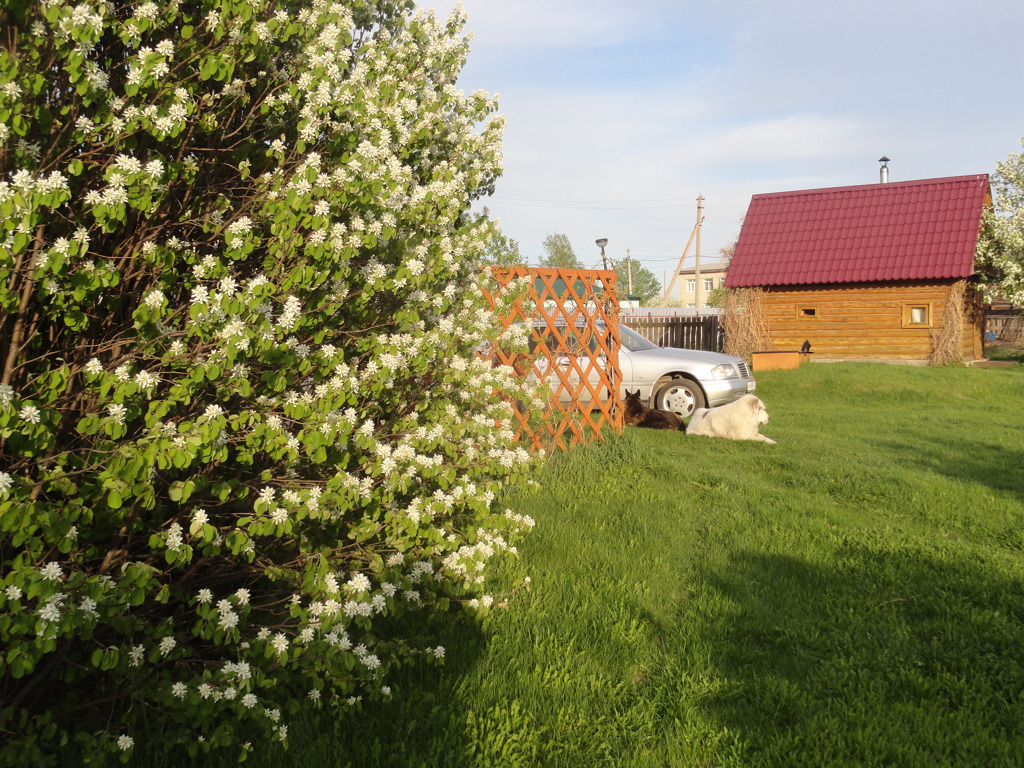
(724, 371)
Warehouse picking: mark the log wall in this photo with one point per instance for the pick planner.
(865, 321)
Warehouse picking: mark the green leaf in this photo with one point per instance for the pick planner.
(177, 491)
(208, 68)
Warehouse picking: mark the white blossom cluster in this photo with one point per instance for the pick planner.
(1001, 242)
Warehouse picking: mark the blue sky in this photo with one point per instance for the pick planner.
(621, 113)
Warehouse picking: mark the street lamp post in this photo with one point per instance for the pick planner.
(601, 244)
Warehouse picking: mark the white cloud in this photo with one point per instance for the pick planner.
(794, 139)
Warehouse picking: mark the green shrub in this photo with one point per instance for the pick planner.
(242, 426)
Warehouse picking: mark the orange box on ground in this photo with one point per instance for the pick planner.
(778, 361)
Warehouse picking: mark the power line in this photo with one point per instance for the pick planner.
(590, 206)
(659, 258)
(627, 205)
(543, 200)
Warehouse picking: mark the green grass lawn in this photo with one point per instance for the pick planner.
(853, 596)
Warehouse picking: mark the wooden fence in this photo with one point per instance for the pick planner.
(1003, 324)
(574, 316)
(684, 332)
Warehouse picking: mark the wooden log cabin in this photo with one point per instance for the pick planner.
(867, 272)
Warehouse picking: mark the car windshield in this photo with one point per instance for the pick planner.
(633, 341)
(630, 339)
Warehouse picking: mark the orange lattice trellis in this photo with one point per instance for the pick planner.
(574, 316)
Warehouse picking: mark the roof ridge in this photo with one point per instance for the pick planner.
(887, 185)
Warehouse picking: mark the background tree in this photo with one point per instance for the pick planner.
(716, 297)
(242, 427)
(558, 252)
(726, 253)
(645, 284)
(1001, 244)
(501, 250)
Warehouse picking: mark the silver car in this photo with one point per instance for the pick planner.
(680, 380)
(670, 379)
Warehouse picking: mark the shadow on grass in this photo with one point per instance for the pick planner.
(979, 461)
(884, 658)
(1005, 351)
(418, 722)
(418, 726)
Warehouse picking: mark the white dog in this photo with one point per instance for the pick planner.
(737, 420)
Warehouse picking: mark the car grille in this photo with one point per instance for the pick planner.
(744, 373)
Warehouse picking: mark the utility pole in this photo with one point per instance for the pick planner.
(696, 271)
(629, 271)
(675, 275)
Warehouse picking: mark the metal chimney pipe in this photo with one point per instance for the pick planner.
(883, 172)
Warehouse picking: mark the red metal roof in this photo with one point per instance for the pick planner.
(911, 230)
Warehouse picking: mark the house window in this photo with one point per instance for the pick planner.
(807, 311)
(709, 283)
(917, 315)
(691, 286)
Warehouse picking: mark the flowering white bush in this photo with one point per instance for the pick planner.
(242, 426)
(1001, 245)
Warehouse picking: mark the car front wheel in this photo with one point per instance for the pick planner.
(681, 396)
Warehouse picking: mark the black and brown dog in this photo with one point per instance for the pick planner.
(636, 415)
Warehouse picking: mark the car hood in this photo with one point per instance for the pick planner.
(693, 355)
